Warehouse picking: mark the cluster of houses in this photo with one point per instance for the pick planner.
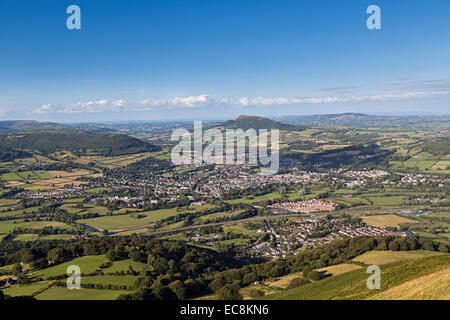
(308, 206)
(66, 192)
(415, 178)
(208, 183)
(215, 181)
(297, 233)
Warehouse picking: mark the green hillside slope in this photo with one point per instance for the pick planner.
(252, 122)
(394, 277)
(47, 142)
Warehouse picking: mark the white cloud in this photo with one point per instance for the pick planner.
(87, 107)
(80, 107)
(403, 96)
(44, 109)
(119, 103)
(206, 100)
(184, 102)
(262, 101)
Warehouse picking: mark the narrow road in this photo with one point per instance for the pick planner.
(274, 217)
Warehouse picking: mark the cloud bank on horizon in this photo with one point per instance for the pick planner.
(205, 100)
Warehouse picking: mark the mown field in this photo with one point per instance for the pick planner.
(63, 293)
(386, 220)
(25, 289)
(113, 162)
(44, 180)
(384, 257)
(339, 269)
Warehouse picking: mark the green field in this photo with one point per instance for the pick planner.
(87, 264)
(26, 237)
(384, 257)
(56, 237)
(8, 203)
(87, 208)
(26, 175)
(218, 215)
(8, 225)
(250, 199)
(292, 196)
(33, 237)
(356, 201)
(386, 201)
(239, 229)
(123, 265)
(63, 293)
(386, 220)
(234, 241)
(114, 280)
(24, 290)
(10, 176)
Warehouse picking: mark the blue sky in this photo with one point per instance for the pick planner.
(167, 59)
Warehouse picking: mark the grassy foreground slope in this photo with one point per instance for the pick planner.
(399, 280)
(429, 287)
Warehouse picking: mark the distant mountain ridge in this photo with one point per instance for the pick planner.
(82, 143)
(351, 119)
(35, 126)
(246, 122)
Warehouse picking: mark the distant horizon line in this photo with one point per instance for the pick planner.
(379, 114)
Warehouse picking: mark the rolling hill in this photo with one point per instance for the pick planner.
(48, 142)
(350, 119)
(253, 122)
(35, 126)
